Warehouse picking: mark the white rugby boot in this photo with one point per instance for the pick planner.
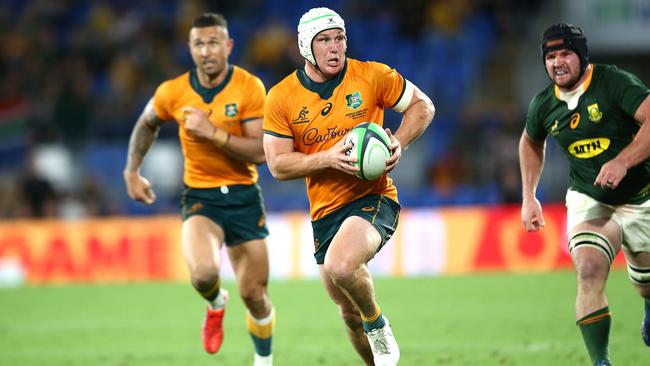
(385, 350)
(263, 360)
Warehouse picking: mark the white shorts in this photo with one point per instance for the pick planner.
(634, 220)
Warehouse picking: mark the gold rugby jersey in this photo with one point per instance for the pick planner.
(318, 115)
(238, 99)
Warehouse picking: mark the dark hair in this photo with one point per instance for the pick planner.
(210, 20)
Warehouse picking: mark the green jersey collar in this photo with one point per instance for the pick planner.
(324, 89)
(208, 94)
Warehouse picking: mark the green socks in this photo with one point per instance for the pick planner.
(595, 333)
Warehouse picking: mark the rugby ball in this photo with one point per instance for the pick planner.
(371, 146)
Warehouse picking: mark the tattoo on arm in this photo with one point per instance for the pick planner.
(143, 136)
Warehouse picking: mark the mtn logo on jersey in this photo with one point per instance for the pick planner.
(354, 100)
(595, 115)
(588, 148)
(231, 109)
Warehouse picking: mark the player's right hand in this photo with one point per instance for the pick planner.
(139, 188)
(531, 215)
(197, 123)
(338, 157)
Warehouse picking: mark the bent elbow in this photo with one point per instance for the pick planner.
(430, 110)
(274, 171)
(278, 175)
(281, 175)
(423, 110)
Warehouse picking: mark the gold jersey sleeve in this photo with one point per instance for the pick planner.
(316, 116)
(239, 99)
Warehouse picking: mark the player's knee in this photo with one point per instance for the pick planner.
(589, 270)
(252, 296)
(340, 275)
(592, 255)
(204, 281)
(340, 272)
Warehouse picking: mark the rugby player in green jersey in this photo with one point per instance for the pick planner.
(596, 114)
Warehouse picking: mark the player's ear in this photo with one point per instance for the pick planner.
(189, 40)
(230, 44)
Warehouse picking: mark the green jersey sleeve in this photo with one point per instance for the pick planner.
(626, 89)
(534, 124)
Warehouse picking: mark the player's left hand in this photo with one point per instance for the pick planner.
(396, 152)
(611, 174)
(196, 122)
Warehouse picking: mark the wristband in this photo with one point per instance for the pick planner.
(220, 137)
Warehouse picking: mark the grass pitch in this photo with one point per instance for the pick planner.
(457, 320)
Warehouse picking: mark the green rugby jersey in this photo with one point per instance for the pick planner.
(595, 131)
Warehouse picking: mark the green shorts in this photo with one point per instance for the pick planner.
(238, 209)
(379, 210)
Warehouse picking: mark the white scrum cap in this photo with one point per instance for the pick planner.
(313, 22)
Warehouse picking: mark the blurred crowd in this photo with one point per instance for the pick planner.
(76, 74)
